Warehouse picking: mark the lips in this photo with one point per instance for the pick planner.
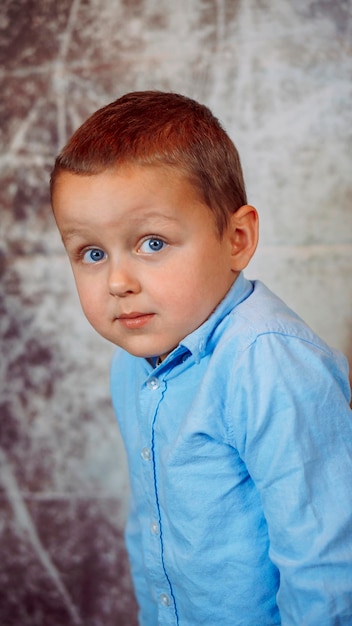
(135, 319)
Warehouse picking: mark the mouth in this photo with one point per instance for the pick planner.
(134, 320)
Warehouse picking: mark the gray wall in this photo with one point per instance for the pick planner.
(278, 75)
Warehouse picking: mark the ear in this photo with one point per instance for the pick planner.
(243, 234)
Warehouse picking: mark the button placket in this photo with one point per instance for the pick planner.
(151, 530)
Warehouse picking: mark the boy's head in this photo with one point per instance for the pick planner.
(154, 239)
(151, 128)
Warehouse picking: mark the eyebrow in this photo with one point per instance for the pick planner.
(155, 215)
(71, 233)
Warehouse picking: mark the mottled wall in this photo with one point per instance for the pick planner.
(278, 74)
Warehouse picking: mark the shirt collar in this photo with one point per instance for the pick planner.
(198, 340)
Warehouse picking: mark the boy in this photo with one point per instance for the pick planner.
(234, 414)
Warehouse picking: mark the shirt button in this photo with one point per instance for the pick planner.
(153, 383)
(165, 600)
(154, 528)
(146, 454)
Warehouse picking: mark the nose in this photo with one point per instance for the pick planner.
(122, 280)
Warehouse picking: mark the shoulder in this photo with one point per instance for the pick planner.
(265, 314)
(264, 342)
(279, 376)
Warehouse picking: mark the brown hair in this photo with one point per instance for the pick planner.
(151, 128)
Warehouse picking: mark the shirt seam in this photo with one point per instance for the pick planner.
(231, 438)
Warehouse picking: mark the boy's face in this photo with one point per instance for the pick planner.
(148, 262)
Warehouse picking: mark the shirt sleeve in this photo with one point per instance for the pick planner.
(292, 426)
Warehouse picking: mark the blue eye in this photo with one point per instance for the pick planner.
(153, 244)
(94, 255)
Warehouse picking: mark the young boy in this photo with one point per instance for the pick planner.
(235, 415)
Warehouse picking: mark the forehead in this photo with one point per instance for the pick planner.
(128, 192)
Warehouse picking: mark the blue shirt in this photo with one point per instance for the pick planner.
(240, 456)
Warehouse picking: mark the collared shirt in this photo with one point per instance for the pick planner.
(240, 456)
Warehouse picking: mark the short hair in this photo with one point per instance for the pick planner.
(159, 128)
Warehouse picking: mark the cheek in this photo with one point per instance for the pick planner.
(185, 292)
(89, 299)
(205, 286)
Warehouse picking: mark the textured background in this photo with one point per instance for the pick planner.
(278, 75)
